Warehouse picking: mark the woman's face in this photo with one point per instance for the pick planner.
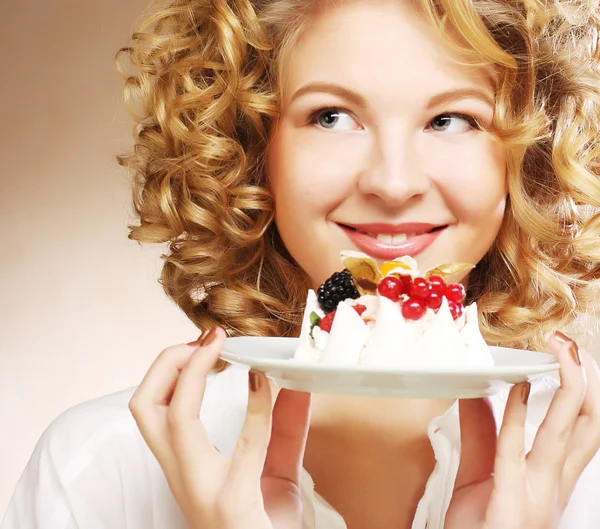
(377, 148)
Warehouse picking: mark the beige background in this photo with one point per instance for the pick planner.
(81, 313)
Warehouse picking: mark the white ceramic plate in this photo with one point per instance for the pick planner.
(274, 357)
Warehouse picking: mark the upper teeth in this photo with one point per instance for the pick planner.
(387, 238)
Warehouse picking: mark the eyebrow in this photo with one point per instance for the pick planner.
(354, 97)
(460, 93)
(330, 88)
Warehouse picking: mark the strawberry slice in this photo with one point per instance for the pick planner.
(360, 309)
(326, 322)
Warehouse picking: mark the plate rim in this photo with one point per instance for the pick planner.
(269, 364)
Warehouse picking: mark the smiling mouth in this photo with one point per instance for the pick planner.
(389, 237)
(387, 241)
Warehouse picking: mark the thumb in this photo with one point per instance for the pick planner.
(478, 442)
(291, 418)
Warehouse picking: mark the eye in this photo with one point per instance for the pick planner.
(452, 122)
(333, 119)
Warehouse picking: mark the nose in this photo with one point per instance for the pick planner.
(395, 172)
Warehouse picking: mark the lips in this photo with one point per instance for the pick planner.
(389, 241)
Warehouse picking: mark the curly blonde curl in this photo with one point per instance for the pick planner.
(539, 274)
(205, 94)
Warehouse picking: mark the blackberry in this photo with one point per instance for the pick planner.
(337, 288)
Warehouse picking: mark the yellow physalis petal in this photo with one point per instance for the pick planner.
(364, 271)
(400, 271)
(387, 267)
(408, 261)
(446, 271)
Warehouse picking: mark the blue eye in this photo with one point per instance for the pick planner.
(329, 118)
(454, 123)
(333, 119)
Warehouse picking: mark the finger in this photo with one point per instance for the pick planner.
(198, 341)
(509, 466)
(478, 442)
(190, 445)
(585, 441)
(550, 445)
(186, 432)
(149, 400)
(191, 384)
(250, 453)
(291, 418)
(159, 382)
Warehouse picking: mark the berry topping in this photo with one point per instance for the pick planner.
(413, 308)
(391, 287)
(455, 293)
(326, 322)
(339, 287)
(419, 288)
(360, 309)
(437, 285)
(456, 309)
(407, 282)
(434, 300)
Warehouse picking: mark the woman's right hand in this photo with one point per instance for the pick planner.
(259, 487)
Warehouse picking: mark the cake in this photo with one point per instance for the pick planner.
(392, 316)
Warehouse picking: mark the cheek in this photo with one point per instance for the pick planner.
(474, 184)
(309, 175)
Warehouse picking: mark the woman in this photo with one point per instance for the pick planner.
(275, 134)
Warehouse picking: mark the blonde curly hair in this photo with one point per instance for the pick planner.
(205, 93)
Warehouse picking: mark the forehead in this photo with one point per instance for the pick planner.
(383, 49)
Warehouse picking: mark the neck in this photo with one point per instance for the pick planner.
(370, 457)
(389, 421)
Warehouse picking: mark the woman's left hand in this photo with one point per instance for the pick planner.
(499, 485)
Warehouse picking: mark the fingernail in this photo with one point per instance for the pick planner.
(210, 337)
(574, 351)
(254, 381)
(562, 338)
(573, 348)
(196, 341)
(525, 392)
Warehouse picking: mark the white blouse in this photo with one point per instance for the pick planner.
(91, 468)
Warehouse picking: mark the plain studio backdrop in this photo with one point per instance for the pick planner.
(81, 312)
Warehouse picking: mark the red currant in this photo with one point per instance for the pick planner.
(437, 285)
(360, 309)
(391, 287)
(455, 292)
(413, 308)
(456, 309)
(326, 322)
(434, 300)
(419, 288)
(406, 283)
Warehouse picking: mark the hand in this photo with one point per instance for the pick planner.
(499, 486)
(259, 487)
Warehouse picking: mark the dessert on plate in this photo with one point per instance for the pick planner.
(391, 316)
